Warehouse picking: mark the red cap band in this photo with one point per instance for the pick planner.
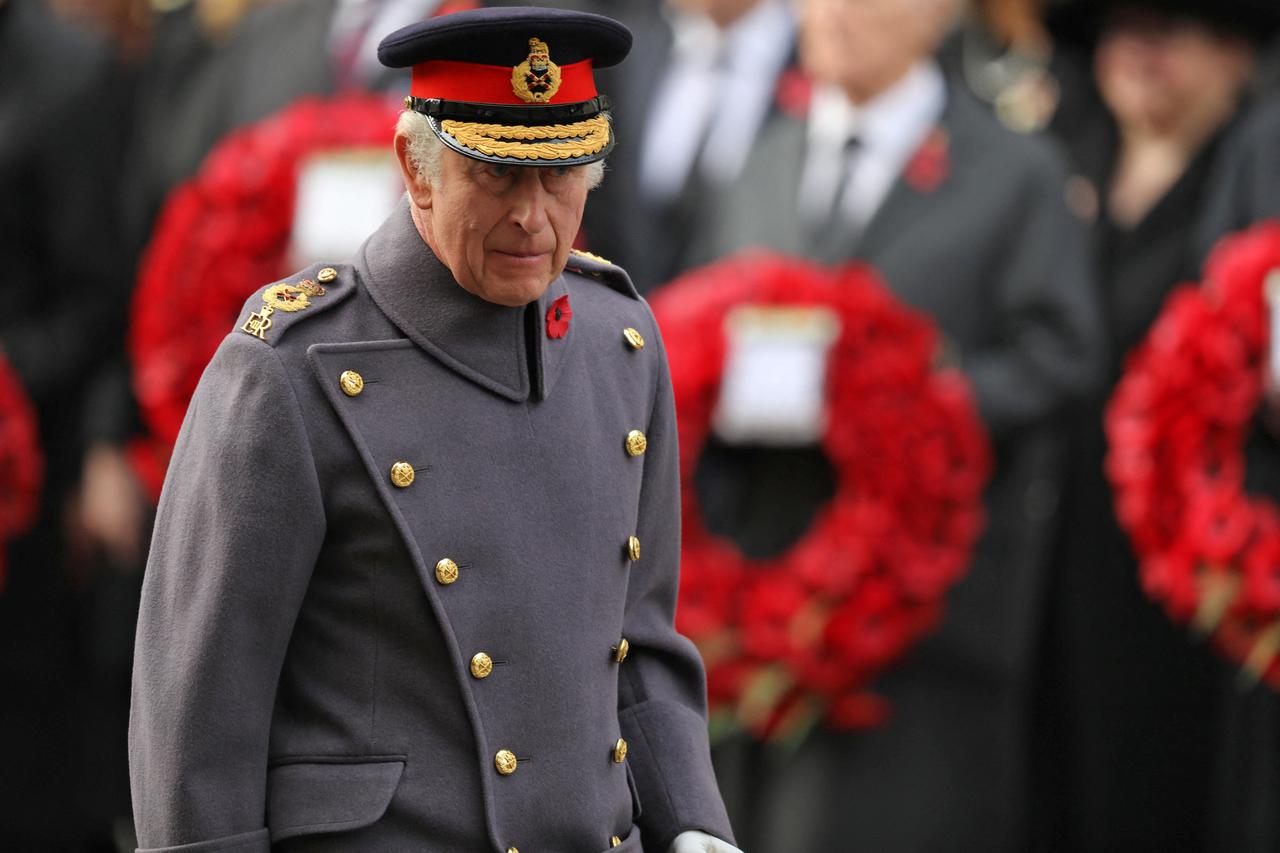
(491, 84)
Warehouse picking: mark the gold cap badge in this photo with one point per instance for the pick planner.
(537, 79)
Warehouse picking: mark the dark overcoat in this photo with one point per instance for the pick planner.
(307, 675)
(995, 257)
(1128, 696)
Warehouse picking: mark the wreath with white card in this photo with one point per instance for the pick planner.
(796, 640)
(306, 184)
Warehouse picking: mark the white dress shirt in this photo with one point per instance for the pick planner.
(712, 97)
(889, 129)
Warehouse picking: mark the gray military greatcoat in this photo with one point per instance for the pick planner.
(332, 657)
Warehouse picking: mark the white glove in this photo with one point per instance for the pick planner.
(700, 842)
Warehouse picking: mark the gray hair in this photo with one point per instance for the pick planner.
(425, 150)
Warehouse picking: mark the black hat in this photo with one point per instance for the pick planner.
(1081, 21)
(512, 85)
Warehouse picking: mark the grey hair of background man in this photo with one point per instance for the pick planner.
(424, 149)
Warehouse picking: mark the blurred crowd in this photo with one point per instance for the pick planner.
(1036, 175)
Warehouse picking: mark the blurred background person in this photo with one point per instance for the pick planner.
(216, 69)
(1245, 187)
(1129, 701)
(697, 89)
(1003, 53)
(966, 221)
(63, 94)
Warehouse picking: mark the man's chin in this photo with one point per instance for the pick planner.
(513, 292)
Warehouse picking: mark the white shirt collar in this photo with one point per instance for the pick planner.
(761, 36)
(899, 117)
(889, 128)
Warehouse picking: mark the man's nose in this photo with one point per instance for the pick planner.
(529, 207)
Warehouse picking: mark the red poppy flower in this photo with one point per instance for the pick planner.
(794, 92)
(21, 460)
(931, 164)
(558, 317)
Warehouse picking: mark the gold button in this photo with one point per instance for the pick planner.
(509, 849)
(481, 665)
(633, 548)
(620, 651)
(446, 571)
(636, 442)
(402, 475)
(634, 339)
(615, 841)
(620, 751)
(352, 383)
(327, 275)
(505, 761)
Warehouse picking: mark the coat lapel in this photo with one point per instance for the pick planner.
(912, 194)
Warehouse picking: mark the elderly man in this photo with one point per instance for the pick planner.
(415, 566)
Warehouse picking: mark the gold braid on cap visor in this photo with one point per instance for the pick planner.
(503, 140)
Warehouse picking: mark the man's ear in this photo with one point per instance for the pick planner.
(418, 187)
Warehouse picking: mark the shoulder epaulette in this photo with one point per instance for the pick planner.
(594, 266)
(269, 313)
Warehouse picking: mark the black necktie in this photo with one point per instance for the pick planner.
(832, 238)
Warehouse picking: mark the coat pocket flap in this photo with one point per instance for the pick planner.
(329, 795)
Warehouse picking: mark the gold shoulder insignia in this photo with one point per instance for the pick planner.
(286, 297)
(591, 256)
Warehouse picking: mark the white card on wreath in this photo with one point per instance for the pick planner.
(773, 390)
(342, 198)
(1271, 291)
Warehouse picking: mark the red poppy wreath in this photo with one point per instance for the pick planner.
(21, 460)
(797, 640)
(220, 236)
(1177, 427)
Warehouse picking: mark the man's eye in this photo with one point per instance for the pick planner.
(499, 170)
(559, 171)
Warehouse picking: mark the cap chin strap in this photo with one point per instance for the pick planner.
(537, 116)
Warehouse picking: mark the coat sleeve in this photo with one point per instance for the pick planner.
(1049, 346)
(662, 685)
(238, 530)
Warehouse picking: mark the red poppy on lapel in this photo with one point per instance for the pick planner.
(794, 92)
(558, 317)
(931, 164)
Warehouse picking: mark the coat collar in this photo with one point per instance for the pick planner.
(505, 350)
